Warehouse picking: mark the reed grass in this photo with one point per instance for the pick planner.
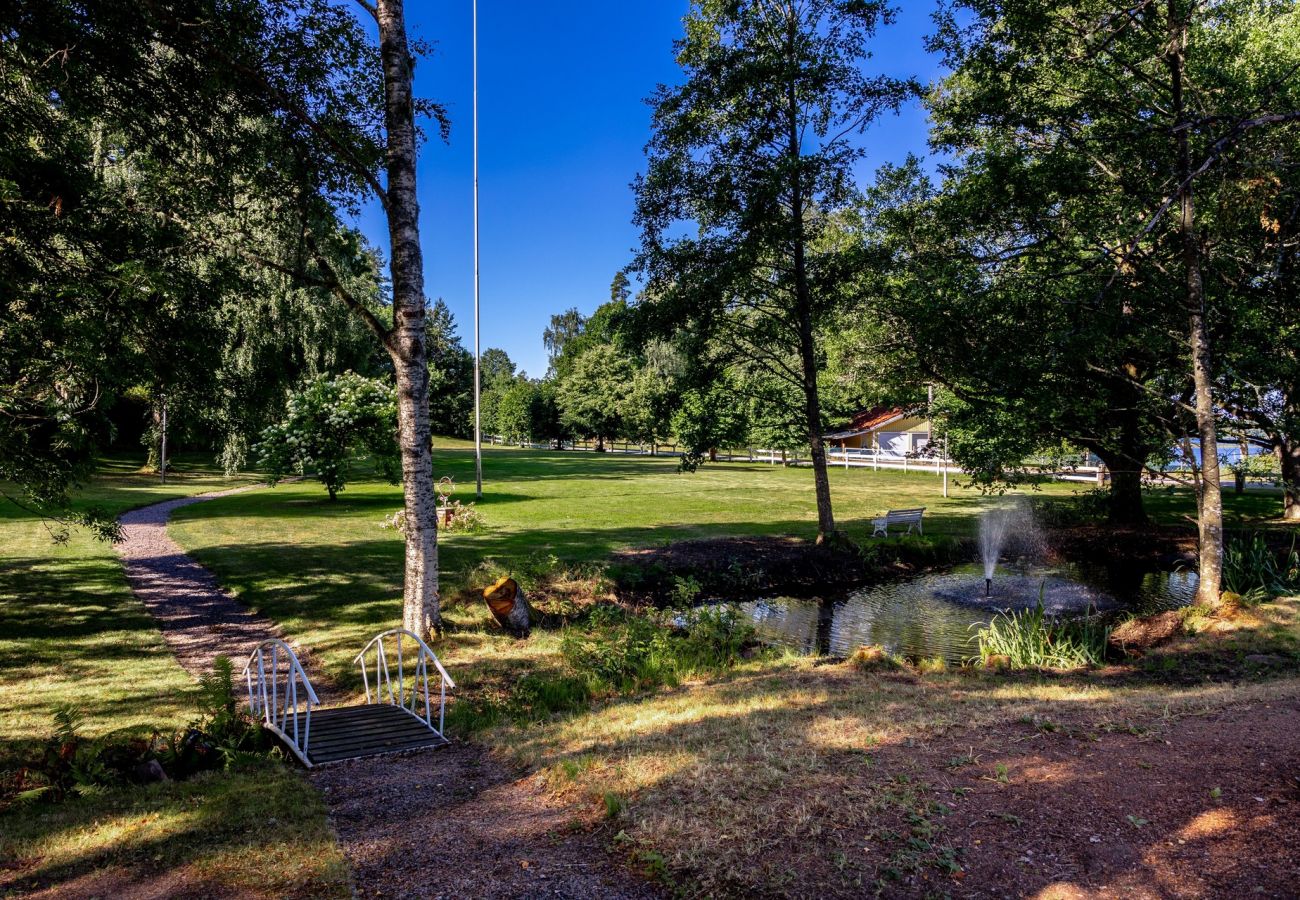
(1031, 639)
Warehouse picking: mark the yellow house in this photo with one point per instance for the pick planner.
(889, 431)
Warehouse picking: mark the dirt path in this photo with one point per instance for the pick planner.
(433, 823)
(1204, 806)
(1208, 807)
(453, 823)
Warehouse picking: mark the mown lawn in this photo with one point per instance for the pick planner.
(699, 778)
(72, 633)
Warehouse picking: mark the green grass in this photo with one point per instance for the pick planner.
(71, 632)
(1031, 639)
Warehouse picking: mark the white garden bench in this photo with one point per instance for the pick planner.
(909, 517)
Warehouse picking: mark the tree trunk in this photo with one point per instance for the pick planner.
(1209, 497)
(803, 309)
(1126, 505)
(406, 342)
(1239, 479)
(1288, 457)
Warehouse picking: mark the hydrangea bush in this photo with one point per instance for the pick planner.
(329, 424)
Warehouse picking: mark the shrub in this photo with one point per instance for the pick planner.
(685, 589)
(624, 652)
(328, 422)
(715, 638)
(621, 653)
(1033, 639)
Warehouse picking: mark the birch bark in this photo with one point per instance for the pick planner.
(406, 342)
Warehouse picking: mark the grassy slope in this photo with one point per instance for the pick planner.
(71, 632)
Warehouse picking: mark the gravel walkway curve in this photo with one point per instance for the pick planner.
(199, 620)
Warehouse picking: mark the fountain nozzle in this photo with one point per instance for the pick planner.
(988, 587)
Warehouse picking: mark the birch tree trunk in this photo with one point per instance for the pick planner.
(1209, 496)
(406, 342)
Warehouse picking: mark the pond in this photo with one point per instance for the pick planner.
(938, 615)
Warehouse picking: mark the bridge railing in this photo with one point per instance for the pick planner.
(409, 654)
(280, 694)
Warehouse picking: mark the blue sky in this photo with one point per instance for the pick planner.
(562, 130)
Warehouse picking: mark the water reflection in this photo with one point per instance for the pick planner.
(937, 615)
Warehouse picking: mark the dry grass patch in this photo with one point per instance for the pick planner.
(774, 779)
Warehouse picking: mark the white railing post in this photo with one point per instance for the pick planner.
(275, 704)
(399, 697)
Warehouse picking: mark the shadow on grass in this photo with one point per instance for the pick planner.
(261, 831)
(810, 765)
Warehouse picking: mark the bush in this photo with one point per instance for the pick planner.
(622, 652)
(1033, 639)
(715, 638)
(327, 423)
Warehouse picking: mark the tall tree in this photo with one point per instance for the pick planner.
(757, 147)
(564, 327)
(593, 394)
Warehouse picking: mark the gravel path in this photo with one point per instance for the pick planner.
(454, 823)
(198, 619)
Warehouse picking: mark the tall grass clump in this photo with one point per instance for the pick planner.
(624, 652)
(1031, 639)
(1252, 570)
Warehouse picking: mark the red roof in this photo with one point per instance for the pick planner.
(871, 419)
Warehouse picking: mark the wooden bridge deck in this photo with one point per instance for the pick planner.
(352, 732)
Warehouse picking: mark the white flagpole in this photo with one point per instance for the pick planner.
(478, 421)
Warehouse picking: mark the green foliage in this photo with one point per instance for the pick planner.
(754, 148)
(686, 588)
(707, 418)
(70, 764)
(327, 424)
(1084, 508)
(593, 394)
(1256, 572)
(518, 413)
(625, 652)
(451, 376)
(1032, 639)
(620, 652)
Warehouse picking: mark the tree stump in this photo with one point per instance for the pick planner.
(508, 605)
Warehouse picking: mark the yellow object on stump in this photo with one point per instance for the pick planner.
(508, 606)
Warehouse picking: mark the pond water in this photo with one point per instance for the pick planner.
(938, 615)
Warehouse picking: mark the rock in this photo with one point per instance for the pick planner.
(508, 605)
(150, 771)
(1137, 635)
